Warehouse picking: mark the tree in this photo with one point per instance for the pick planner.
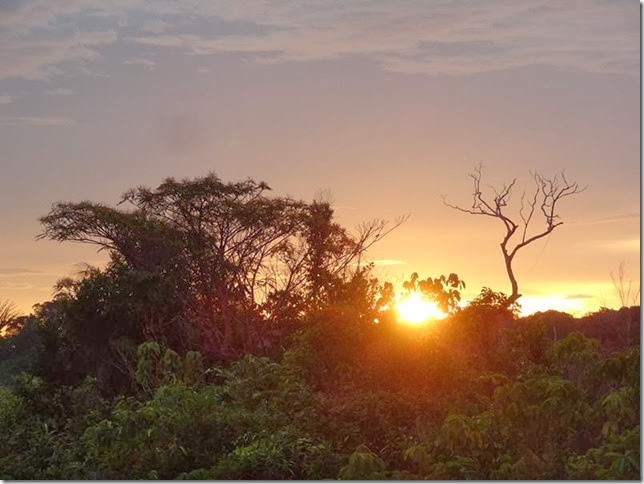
(548, 193)
(628, 296)
(8, 314)
(234, 255)
(321, 262)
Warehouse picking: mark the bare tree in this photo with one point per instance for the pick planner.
(628, 295)
(544, 201)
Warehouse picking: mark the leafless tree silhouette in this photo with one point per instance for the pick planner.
(545, 200)
(628, 295)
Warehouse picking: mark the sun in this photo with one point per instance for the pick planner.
(413, 309)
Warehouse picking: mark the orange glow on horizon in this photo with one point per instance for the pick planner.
(533, 304)
(413, 309)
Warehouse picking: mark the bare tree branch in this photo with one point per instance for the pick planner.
(628, 295)
(547, 195)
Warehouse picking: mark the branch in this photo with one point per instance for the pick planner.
(548, 192)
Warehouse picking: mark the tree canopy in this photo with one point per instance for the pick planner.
(235, 335)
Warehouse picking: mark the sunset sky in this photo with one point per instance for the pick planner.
(387, 105)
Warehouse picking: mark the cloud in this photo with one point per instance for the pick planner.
(40, 57)
(147, 63)
(429, 37)
(40, 39)
(616, 218)
(17, 271)
(580, 296)
(5, 98)
(23, 121)
(156, 26)
(16, 285)
(620, 245)
(60, 91)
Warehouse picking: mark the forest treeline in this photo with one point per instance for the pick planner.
(235, 335)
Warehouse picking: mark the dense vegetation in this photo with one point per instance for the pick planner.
(237, 336)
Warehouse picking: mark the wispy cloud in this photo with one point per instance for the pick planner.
(155, 26)
(147, 63)
(5, 98)
(429, 37)
(41, 56)
(603, 220)
(415, 36)
(15, 285)
(23, 121)
(60, 91)
(17, 271)
(619, 245)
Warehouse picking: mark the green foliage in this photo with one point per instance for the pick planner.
(148, 368)
(547, 405)
(9, 407)
(577, 359)
(274, 391)
(348, 400)
(461, 433)
(621, 410)
(286, 454)
(178, 430)
(158, 366)
(324, 351)
(377, 418)
(456, 468)
(20, 352)
(617, 458)
(363, 464)
(622, 368)
(184, 428)
(40, 427)
(95, 324)
(237, 336)
(193, 368)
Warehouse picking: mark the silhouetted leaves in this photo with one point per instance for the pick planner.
(236, 336)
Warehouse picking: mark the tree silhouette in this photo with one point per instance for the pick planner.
(445, 291)
(628, 295)
(236, 256)
(547, 194)
(8, 313)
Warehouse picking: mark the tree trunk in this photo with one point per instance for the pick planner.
(515, 286)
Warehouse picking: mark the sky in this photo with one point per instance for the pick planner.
(386, 105)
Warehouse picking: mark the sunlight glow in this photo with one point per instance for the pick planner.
(557, 302)
(413, 309)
